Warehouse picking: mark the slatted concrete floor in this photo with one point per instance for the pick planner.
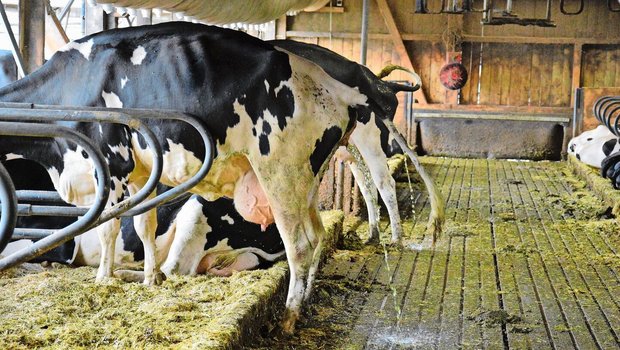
(529, 260)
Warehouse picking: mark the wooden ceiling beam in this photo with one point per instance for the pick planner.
(399, 45)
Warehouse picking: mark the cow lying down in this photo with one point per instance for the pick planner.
(599, 148)
(270, 112)
(593, 146)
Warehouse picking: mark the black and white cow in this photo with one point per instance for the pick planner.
(8, 68)
(372, 138)
(592, 146)
(269, 112)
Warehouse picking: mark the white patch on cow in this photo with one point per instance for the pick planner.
(124, 81)
(121, 150)
(589, 145)
(15, 246)
(11, 156)
(111, 100)
(267, 85)
(138, 55)
(76, 184)
(84, 48)
(190, 237)
(228, 219)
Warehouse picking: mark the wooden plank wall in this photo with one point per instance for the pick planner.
(517, 74)
(601, 66)
(521, 66)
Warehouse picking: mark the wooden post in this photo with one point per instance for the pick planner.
(97, 20)
(399, 45)
(577, 48)
(454, 53)
(144, 17)
(32, 33)
(281, 28)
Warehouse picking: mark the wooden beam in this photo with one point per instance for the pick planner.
(466, 38)
(576, 71)
(32, 33)
(281, 32)
(536, 40)
(399, 45)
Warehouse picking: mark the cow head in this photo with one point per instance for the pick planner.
(382, 94)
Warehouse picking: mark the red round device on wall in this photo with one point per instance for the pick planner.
(453, 76)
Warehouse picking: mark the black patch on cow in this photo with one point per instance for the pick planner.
(589, 139)
(578, 157)
(84, 154)
(266, 127)
(240, 234)
(572, 147)
(323, 148)
(609, 146)
(263, 144)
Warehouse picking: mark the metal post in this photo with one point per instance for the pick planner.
(14, 47)
(364, 43)
(32, 33)
(8, 203)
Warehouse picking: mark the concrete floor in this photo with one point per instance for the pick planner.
(529, 260)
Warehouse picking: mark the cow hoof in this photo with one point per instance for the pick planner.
(288, 322)
(157, 279)
(105, 280)
(372, 240)
(396, 242)
(434, 227)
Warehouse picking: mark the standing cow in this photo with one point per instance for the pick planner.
(271, 113)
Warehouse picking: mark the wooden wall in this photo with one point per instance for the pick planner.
(521, 66)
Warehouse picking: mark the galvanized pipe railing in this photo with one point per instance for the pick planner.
(607, 110)
(129, 117)
(8, 204)
(102, 189)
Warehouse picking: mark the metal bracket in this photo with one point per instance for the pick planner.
(563, 9)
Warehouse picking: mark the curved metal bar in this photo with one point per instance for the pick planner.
(41, 113)
(194, 180)
(8, 205)
(563, 9)
(114, 114)
(101, 195)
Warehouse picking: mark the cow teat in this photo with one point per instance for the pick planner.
(251, 202)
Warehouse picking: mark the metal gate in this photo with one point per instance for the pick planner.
(33, 121)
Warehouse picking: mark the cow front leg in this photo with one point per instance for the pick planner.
(190, 236)
(145, 225)
(369, 193)
(107, 233)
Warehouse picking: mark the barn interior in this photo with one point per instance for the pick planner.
(529, 253)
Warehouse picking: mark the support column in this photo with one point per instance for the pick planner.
(577, 50)
(144, 17)
(32, 33)
(97, 20)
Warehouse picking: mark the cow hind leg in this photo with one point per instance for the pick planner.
(107, 233)
(145, 226)
(293, 203)
(369, 193)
